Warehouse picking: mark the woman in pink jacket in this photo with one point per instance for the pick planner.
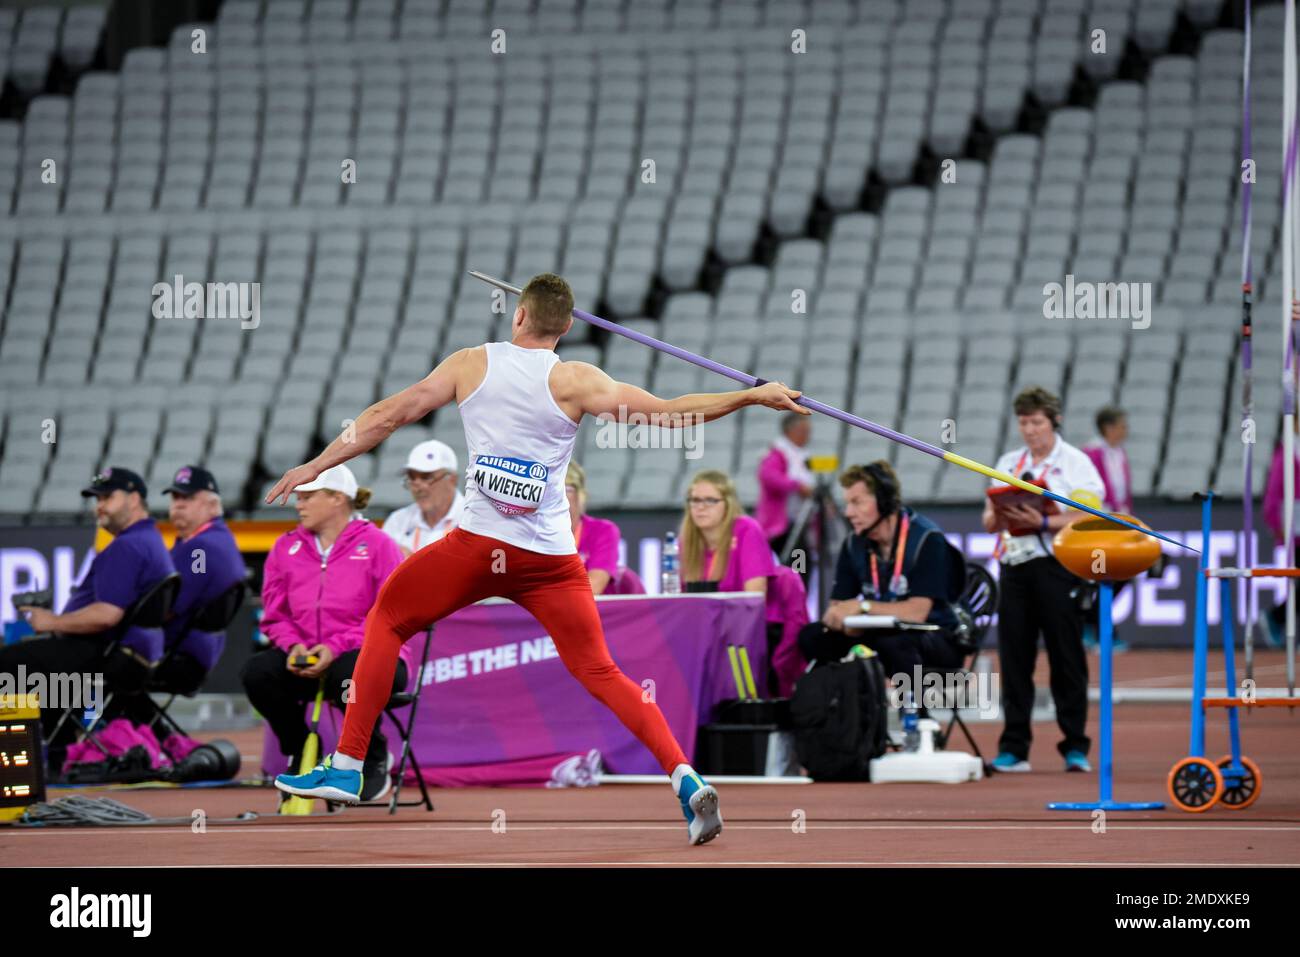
(1274, 499)
(318, 585)
(597, 541)
(784, 473)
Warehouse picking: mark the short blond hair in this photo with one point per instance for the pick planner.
(548, 302)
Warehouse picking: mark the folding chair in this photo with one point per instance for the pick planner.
(978, 603)
(216, 615)
(123, 669)
(411, 700)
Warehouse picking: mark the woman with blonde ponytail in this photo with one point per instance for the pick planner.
(597, 541)
(319, 582)
(722, 548)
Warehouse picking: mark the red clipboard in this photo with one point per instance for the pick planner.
(1001, 496)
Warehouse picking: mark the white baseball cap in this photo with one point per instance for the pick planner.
(431, 456)
(337, 479)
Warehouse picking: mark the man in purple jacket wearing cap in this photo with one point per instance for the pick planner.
(209, 563)
(133, 562)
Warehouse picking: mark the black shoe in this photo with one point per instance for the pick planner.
(376, 779)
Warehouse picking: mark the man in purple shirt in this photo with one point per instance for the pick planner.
(133, 562)
(209, 563)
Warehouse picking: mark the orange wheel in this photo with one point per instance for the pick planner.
(1195, 784)
(1244, 791)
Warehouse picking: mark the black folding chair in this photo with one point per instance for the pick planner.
(215, 615)
(410, 700)
(976, 606)
(124, 670)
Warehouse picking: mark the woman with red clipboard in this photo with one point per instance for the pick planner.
(1036, 591)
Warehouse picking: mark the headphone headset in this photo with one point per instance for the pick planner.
(886, 491)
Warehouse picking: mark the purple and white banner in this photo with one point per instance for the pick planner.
(498, 707)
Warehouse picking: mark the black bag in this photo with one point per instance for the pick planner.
(840, 718)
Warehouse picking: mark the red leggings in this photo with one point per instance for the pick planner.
(463, 568)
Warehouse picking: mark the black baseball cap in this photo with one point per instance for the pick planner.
(191, 479)
(113, 478)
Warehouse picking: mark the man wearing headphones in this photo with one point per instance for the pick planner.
(898, 563)
(1036, 592)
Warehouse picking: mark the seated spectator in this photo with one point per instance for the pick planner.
(597, 541)
(722, 549)
(209, 563)
(431, 472)
(787, 616)
(134, 562)
(319, 582)
(208, 560)
(898, 563)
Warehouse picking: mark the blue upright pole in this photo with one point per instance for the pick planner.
(1200, 638)
(1106, 629)
(1105, 778)
(1230, 675)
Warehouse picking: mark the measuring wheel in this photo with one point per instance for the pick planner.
(1240, 789)
(1195, 784)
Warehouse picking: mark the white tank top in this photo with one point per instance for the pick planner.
(520, 442)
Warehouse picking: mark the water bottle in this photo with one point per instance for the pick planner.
(911, 731)
(669, 583)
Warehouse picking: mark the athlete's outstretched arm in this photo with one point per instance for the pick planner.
(377, 423)
(603, 395)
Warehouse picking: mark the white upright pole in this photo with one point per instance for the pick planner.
(1288, 297)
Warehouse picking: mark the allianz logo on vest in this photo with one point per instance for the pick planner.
(514, 486)
(77, 910)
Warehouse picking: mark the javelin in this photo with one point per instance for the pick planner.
(746, 379)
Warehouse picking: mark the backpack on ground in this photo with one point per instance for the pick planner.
(840, 714)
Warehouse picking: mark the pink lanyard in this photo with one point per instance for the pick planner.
(198, 531)
(898, 562)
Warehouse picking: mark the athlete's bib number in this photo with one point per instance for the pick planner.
(513, 486)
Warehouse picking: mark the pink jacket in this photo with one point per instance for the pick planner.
(775, 486)
(313, 603)
(1097, 453)
(787, 603)
(1273, 495)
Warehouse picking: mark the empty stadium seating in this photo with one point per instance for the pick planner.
(751, 239)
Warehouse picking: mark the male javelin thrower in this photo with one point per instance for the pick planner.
(521, 407)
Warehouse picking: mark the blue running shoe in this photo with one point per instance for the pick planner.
(1077, 761)
(324, 782)
(700, 805)
(1006, 762)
